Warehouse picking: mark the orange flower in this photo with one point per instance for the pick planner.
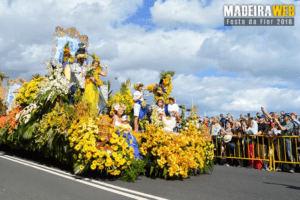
(10, 119)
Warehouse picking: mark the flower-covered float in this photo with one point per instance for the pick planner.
(51, 115)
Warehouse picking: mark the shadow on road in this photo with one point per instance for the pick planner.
(287, 186)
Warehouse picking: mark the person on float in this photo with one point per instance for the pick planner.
(173, 109)
(160, 91)
(78, 75)
(123, 121)
(139, 111)
(66, 61)
(169, 123)
(92, 94)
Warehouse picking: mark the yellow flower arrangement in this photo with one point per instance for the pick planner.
(28, 92)
(84, 135)
(82, 56)
(124, 98)
(154, 88)
(175, 155)
(150, 88)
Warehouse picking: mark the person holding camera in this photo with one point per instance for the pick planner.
(286, 128)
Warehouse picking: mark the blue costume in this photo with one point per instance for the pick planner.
(134, 144)
(143, 111)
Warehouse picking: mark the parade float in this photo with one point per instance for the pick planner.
(50, 115)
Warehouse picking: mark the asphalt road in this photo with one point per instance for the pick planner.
(22, 178)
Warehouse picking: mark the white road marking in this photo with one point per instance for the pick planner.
(75, 178)
(90, 180)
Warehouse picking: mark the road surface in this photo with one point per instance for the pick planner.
(24, 178)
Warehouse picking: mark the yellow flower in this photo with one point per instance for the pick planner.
(114, 154)
(101, 167)
(128, 162)
(81, 167)
(116, 148)
(93, 167)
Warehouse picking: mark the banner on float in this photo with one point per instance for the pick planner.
(61, 37)
(12, 91)
(104, 90)
(61, 41)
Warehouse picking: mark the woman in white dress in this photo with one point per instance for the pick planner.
(123, 121)
(116, 121)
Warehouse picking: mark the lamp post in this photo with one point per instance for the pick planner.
(192, 101)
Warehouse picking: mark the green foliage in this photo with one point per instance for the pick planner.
(125, 86)
(136, 168)
(2, 107)
(164, 74)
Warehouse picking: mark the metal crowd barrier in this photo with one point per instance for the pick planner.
(274, 150)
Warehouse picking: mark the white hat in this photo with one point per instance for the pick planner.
(227, 138)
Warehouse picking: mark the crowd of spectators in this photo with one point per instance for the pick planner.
(251, 135)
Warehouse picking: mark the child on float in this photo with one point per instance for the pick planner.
(139, 111)
(160, 90)
(169, 123)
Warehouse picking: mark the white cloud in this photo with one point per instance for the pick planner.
(26, 40)
(235, 95)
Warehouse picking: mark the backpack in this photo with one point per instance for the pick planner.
(285, 167)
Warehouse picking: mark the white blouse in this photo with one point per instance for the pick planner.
(172, 108)
(160, 110)
(137, 94)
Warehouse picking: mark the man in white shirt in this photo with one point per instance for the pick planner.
(138, 98)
